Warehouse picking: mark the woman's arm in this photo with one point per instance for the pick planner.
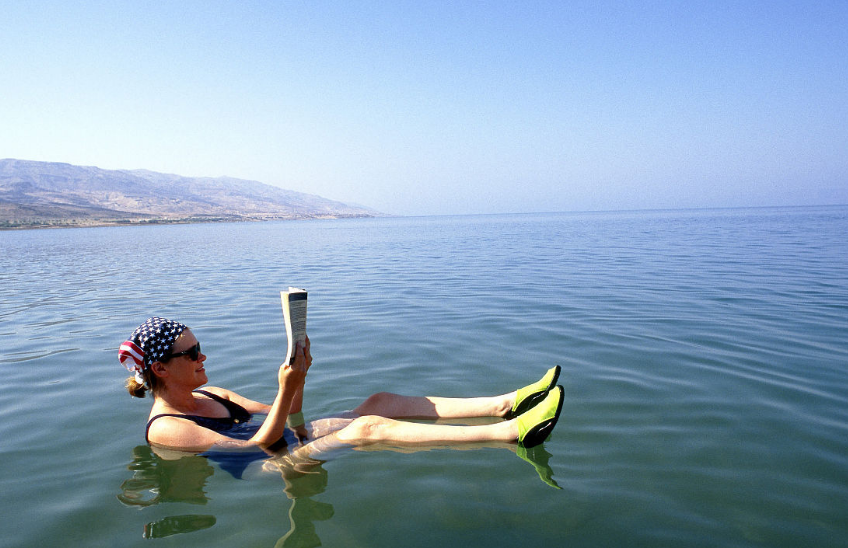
(290, 379)
(297, 402)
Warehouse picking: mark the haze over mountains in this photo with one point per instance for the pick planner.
(34, 194)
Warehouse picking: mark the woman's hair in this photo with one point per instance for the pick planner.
(139, 390)
(135, 388)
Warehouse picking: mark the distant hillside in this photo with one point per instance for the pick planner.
(35, 194)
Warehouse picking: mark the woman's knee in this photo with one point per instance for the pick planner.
(380, 403)
(365, 429)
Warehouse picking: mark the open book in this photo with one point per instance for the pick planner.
(294, 311)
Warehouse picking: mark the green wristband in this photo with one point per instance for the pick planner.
(295, 419)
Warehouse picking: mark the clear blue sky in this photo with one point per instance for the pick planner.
(425, 107)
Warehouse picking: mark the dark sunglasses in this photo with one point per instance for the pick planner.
(193, 353)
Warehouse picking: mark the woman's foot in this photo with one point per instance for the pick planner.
(536, 425)
(527, 397)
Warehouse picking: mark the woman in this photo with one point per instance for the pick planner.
(166, 360)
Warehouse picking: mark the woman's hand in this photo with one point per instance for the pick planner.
(307, 354)
(296, 371)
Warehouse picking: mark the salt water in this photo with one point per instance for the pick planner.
(704, 359)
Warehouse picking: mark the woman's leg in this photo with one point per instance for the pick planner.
(371, 429)
(530, 428)
(509, 405)
(395, 406)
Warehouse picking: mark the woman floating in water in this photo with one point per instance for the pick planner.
(166, 360)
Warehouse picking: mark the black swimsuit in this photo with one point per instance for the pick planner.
(237, 426)
(224, 425)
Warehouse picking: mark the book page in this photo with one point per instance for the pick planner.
(294, 312)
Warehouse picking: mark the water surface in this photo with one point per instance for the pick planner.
(704, 361)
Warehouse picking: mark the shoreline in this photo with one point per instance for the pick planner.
(81, 223)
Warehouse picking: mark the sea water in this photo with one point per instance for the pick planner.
(704, 356)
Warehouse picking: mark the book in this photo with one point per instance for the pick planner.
(294, 312)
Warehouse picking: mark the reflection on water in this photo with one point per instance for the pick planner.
(174, 525)
(177, 477)
(181, 478)
(157, 480)
(539, 457)
(304, 478)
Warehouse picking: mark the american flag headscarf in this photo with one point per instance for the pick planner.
(150, 342)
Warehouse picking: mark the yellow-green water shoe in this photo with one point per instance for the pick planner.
(532, 394)
(536, 425)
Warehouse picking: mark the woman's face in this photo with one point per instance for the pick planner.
(183, 369)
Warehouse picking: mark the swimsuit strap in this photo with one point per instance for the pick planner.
(215, 397)
(237, 412)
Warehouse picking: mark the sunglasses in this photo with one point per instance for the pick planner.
(193, 353)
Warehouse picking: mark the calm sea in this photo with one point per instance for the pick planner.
(704, 355)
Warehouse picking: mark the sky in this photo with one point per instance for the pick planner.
(418, 107)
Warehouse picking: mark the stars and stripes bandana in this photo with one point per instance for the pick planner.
(150, 342)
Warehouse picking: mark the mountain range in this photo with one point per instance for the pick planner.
(42, 194)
